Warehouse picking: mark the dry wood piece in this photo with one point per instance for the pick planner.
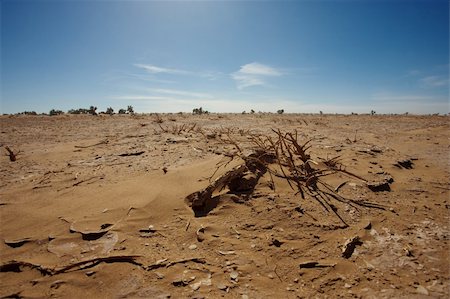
(284, 157)
(12, 156)
(314, 264)
(95, 261)
(198, 199)
(166, 263)
(349, 246)
(132, 154)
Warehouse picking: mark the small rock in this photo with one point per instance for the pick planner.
(367, 225)
(379, 186)
(347, 286)
(192, 247)
(90, 273)
(159, 275)
(222, 286)
(271, 276)
(234, 275)
(244, 296)
(275, 242)
(421, 290)
(196, 286)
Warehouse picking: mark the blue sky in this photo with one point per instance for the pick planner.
(300, 56)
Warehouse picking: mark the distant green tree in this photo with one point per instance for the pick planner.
(281, 111)
(130, 109)
(122, 111)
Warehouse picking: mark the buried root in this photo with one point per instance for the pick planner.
(281, 156)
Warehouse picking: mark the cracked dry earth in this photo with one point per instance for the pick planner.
(96, 207)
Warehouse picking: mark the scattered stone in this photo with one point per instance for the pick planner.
(379, 186)
(192, 247)
(367, 225)
(222, 286)
(275, 242)
(179, 283)
(90, 273)
(196, 286)
(349, 246)
(159, 275)
(347, 286)
(234, 275)
(421, 290)
(244, 296)
(200, 233)
(376, 149)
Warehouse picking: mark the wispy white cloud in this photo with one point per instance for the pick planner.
(434, 81)
(153, 69)
(157, 70)
(253, 74)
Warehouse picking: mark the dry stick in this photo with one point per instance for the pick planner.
(275, 270)
(95, 261)
(11, 154)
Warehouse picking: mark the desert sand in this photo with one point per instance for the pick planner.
(105, 207)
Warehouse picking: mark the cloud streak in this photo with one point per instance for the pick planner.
(253, 74)
(434, 81)
(155, 70)
(160, 70)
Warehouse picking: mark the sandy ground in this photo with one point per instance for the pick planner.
(96, 207)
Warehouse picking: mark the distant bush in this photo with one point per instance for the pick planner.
(92, 110)
(28, 113)
(281, 111)
(55, 112)
(130, 109)
(110, 111)
(199, 111)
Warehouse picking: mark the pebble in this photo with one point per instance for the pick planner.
(222, 286)
(347, 286)
(421, 290)
(234, 275)
(244, 296)
(192, 247)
